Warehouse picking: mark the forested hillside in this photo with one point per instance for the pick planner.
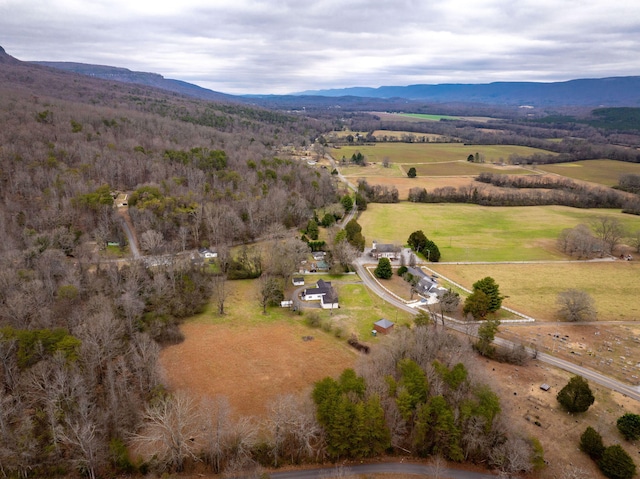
(79, 333)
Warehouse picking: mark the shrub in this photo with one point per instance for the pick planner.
(616, 463)
(629, 425)
(313, 319)
(591, 443)
(384, 270)
(576, 396)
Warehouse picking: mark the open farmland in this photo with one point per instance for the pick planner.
(412, 153)
(252, 358)
(465, 168)
(416, 117)
(533, 288)
(604, 172)
(465, 232)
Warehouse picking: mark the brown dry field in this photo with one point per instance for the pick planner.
(252, 364)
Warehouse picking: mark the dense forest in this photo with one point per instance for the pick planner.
(80, 332)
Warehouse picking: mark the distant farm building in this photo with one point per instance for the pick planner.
(383, 326)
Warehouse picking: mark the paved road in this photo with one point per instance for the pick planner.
(594, 376)
(388, 468)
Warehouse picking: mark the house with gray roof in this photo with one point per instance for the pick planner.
(324, 293)
(424, 284)
(381, 250)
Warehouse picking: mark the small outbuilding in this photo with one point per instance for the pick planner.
(545, 387)
(298, 281)
(383, 326)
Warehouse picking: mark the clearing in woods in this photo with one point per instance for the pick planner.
(252, 364)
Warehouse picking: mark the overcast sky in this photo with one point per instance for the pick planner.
(283, 46)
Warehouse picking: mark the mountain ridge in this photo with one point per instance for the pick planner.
(588, 92)
(125, 75)
(609, 91)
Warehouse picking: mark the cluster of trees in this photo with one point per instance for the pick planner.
(587, 197)
(79, 334)
(78, 350)
(421, 396)
(419, 243)
(485, 298)
(600, 238)
(377, 193)
(630, 183)
(613, 461)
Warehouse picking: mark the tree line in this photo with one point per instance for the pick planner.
(526, 191)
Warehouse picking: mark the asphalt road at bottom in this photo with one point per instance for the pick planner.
(386, 468)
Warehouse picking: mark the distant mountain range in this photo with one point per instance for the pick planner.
(613, 92)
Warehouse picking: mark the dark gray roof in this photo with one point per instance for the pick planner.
(323, 287)
(386, 248)
(384, 323)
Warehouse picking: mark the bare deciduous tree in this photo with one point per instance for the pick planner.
(576, 305)
(609, 231)
(512, 457)
(285, 255)
(152, 241)
(570, 471)
(217, 428)
(294, 430)
(170, 430)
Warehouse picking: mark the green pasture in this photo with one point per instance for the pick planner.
(464, 168)
(425, 116)
(417, 117)
(533, 288)
(411, 153)
(393, 171)
(604, 172)
(465, 232)
(359, 308)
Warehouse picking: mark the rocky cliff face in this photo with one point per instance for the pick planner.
(6, 59)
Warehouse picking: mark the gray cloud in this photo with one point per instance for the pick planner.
(280, 46)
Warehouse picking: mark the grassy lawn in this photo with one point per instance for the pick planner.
(476, 233)
(411, 117)
(362, 309)
(425, 116)
(533, 288)
(604, 172)
(464, 168)
(410, 153)
(394, 171)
